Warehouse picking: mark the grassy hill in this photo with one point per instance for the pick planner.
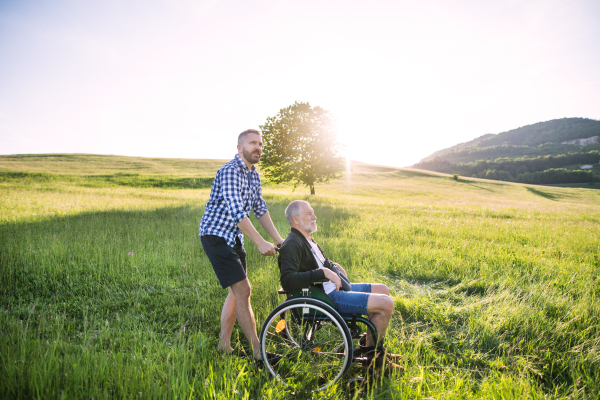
(105, 290)
(530, 154)
(92, 164)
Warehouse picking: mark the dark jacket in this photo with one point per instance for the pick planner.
(297, 265)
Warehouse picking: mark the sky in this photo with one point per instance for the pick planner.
(158, 78)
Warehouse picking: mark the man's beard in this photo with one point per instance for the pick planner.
(251, 156)
(308, 228)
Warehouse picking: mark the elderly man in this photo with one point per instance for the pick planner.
(235, 192)
(302, 262)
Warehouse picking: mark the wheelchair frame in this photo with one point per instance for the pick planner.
(306, 342)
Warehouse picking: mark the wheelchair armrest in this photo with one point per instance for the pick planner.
(317, 283)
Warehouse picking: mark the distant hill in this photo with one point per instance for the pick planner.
(526, 154)
(458, 147)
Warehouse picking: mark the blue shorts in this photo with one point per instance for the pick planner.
(352, 302)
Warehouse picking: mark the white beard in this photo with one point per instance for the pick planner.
(308, 228)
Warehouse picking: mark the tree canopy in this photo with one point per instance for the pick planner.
(301, 146)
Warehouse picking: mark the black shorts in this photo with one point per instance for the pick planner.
(228, 262)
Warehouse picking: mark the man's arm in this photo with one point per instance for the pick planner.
(231, 182)
(267, 224)
(265, 248)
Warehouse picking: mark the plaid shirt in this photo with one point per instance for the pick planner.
(235, 191)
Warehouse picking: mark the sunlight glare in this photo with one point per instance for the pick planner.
(348, 170)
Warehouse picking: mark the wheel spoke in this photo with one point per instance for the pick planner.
(314, 348)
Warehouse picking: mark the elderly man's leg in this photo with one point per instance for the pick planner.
(380, 288)
(227, 322)
(380, 307)
(245, 316)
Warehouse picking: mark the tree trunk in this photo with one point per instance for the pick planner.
(312, 190)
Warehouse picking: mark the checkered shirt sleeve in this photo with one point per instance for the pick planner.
(259, 206)
(231, 182)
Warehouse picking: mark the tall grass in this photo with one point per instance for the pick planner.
(105, 290)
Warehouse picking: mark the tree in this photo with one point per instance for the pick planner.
(301, 146)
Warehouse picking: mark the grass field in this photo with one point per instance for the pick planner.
(105, 291)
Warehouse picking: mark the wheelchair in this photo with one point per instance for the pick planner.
(306, 342)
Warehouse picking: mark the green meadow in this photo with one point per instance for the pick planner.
(105, 291)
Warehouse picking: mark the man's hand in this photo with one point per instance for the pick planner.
(342, 270)
(267, 249)
(333, 277)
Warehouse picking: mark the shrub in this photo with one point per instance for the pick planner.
(504, 175)
(491, 174)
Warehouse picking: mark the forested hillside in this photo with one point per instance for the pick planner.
(531, 154)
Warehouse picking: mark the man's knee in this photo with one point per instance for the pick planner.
(380, 288)
(242, 289)
(386, 290)
(388, 305)
(380, 304)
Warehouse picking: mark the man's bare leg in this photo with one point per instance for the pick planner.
(380, 288)
(245, 316)
(380, 307)
(227, 323)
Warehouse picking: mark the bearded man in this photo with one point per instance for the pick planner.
(302, 262)
(235, 192)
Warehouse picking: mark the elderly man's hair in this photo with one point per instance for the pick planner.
(293, 209)
(242, 136)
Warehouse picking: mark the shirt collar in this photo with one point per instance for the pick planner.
(298, 233)
(243, 165)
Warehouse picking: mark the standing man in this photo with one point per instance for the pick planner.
(235, 192)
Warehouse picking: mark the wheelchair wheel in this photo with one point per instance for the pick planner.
(306, 343)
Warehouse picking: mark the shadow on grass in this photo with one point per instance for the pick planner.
(411, 173)
(477, 186)
(545, 195)
(150, 260)
(105, 261)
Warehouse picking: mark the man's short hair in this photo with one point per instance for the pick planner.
(242, 136)
(293, 209)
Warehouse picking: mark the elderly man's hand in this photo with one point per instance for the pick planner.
(333, 277)
(342, 270)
